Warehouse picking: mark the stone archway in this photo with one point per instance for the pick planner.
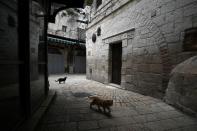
(149, 29)
(145, 28)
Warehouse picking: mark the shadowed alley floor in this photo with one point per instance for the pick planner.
(131, 111)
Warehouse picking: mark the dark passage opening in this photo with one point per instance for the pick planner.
(116, 62)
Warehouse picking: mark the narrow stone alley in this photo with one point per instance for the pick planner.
(131, 111)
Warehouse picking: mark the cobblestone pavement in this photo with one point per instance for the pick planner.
(131, 111)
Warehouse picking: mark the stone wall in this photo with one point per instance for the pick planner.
(154, 48)
(10, 111)
(37, 67)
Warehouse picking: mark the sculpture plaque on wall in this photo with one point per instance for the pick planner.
(94, 38)
(99, 31)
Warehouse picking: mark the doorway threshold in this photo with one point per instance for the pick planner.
(112, 85)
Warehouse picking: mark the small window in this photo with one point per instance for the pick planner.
(64, 28)
(190, 40)
(98, 3)
(99, 31)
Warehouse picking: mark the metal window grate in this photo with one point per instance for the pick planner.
(190, 40)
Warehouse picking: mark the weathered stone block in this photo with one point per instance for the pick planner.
(148, 77)
(168, 7)
(153, 49)
(160, 20)
(130, 86)
(147, 87)
(137, 59)
(128, 78)
(124, 43)
(124, 58)
(129, 71)
(123, 71)
(175, 48)
(143, 68)
(168, 28)
(156, 68)
(156, 59)
(170, 17)
(172, 37)
(190, 9)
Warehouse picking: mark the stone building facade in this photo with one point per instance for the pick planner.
(67, 53)
(66, 24)
(150, 35)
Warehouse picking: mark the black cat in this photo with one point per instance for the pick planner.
(61, 80)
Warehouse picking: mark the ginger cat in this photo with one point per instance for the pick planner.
(105, 104)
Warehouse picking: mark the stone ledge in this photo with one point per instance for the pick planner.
(124, 35)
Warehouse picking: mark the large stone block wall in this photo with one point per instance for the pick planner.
(37, 83)
(153, 50)
(10, 111)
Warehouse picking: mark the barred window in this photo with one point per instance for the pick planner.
(64, 28)
(190, 40)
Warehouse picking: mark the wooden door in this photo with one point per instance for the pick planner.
(116, 63)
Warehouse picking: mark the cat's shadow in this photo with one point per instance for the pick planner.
(108, 114)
